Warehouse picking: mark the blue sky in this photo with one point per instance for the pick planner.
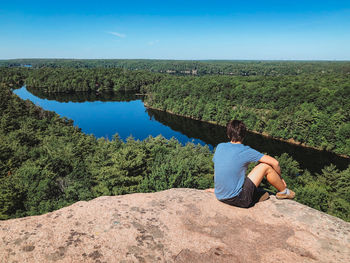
(270, 30)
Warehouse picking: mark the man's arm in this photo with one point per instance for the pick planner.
(272, 162)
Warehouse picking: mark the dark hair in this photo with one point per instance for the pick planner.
(236, 130)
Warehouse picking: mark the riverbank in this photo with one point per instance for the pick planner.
(155, 122)
(290, 141)
(264, 134)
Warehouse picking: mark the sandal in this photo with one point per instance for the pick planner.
(291, 195)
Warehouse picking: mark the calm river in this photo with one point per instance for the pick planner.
(125, 114)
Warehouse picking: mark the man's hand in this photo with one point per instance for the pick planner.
(210, 190)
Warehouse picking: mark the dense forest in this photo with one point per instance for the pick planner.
(198, 67)
(47, 163)
(312, 109)
(308, 109)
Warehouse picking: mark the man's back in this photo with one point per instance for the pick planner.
(230, 165)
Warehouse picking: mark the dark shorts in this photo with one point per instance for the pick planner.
(246, 198)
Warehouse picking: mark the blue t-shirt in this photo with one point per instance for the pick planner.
(230, 164)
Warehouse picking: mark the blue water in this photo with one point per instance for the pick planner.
(105, 119)
(131, 118)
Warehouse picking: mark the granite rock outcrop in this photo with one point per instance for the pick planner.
(176, 225)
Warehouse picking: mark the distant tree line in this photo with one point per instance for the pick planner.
(95, 79)
(194, 67)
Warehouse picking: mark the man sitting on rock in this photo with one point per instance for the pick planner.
(230, 164)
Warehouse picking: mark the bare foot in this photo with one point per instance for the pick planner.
(209, 190)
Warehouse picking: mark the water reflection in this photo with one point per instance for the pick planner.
(84, 96)
(308, 158)
(105, 115)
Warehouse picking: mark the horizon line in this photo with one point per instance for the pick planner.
(170, 59)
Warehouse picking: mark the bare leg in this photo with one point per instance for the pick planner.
(262, 170)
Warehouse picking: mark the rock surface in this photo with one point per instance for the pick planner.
(177, 225)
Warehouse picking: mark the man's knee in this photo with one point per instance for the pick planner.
(266, 167)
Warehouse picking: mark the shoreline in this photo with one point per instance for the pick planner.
(290, 141)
